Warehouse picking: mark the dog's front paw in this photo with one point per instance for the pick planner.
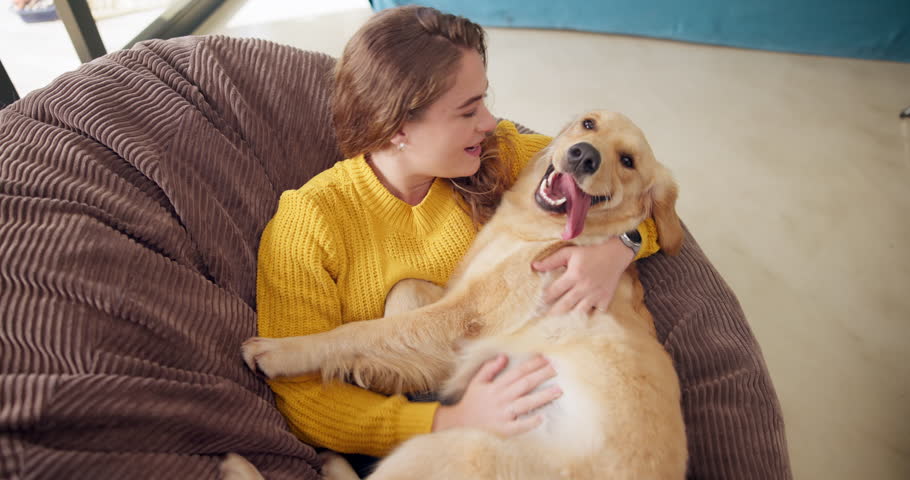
(262, 355)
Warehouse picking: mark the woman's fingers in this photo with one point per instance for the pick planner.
(567, 302)
(535, 400)
(558, 288)
(523, 369)
(523, 424)
(584, 306)
(490, 369)
(530, 381)
(500, 401)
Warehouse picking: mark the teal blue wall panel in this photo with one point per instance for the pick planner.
(871, 29)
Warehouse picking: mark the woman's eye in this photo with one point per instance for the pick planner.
(483, 103)
(588, 124)
(627, 161)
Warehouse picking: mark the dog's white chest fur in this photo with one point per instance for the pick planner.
(573, 422)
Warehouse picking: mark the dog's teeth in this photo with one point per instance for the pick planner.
(550, 178)
(555, 203)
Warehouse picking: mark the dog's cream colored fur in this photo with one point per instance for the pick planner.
(619, 416)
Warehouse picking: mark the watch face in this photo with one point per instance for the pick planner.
(634, 236)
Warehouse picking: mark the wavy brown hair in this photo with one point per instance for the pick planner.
(400, 62)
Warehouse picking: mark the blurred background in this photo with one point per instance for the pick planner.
(780, 120)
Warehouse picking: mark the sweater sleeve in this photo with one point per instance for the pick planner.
(522, 147)
(648, 232)
(297, 295)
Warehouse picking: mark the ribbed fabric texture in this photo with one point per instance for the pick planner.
(132, 195)
(330, 255)
(733, 418)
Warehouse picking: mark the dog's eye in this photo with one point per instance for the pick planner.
(588, 123)
(627, 161)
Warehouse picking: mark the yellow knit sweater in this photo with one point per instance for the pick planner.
(330, 254)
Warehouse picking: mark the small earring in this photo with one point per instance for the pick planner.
(401, 146)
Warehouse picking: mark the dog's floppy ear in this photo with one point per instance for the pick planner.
(663, 209)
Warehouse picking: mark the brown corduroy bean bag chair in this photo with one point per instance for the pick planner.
(133, 192)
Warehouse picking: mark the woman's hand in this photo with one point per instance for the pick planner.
(498, 403)
(592, 273)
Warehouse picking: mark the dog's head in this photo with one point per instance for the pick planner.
(600, 168)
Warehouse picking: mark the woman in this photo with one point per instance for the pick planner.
(427, 164)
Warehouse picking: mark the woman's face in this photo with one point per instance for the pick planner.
(445, 141)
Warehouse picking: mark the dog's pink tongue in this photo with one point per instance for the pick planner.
(577, 204)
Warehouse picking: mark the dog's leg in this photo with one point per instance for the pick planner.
(415, 347)
(407, 295)
(411, 294)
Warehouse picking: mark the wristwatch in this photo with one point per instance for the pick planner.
(632, 239)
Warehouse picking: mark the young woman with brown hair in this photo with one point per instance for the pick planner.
(427, 164)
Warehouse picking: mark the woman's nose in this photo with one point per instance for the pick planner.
(487, 121)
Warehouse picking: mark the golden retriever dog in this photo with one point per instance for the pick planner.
(619, 416)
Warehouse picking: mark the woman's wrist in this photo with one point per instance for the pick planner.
(446, 417)
(615, 246)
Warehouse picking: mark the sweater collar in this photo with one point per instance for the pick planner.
(421, 218)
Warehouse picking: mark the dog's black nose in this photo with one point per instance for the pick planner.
(583, 158)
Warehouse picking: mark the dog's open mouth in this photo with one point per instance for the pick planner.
(559, 193)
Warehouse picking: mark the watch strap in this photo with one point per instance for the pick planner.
(632, 239)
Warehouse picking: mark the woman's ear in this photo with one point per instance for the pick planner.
(663, 210)
(399, 139)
